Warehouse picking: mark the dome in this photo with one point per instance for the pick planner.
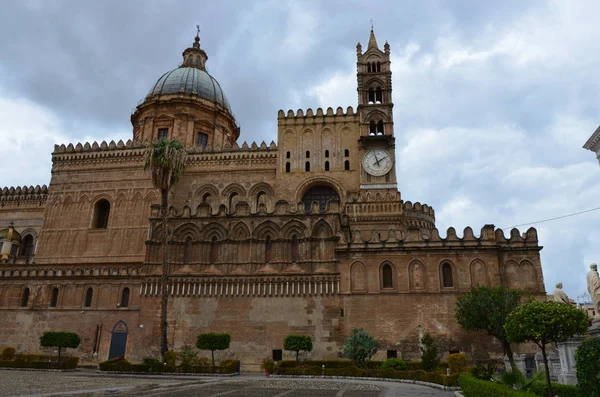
(190, 80)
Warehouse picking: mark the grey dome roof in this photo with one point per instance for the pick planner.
(190, 80)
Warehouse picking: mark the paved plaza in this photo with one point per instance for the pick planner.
(90, 383)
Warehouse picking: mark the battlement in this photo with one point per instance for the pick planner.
(300, 115)
(23, 193)
(416, 237)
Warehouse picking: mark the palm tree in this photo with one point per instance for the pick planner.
(166, 160)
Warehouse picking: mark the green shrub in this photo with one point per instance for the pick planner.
(319, 363)
(8, 354)
(484, 369)
(429, 353)
(587, 359)
(65, 363)
(394, 363)
(298, 343)
(60, 340)
(457, 363)
(473, 387)
(213, 341)
(151, 360)
(188, 355)
(360, 347)
(171, 358)
(565, 391)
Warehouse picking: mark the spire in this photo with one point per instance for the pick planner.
(195, 56)
(372, 40)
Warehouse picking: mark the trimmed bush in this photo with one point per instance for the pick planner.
(587, 359)
(60, 340)
(457, 363)
(171, 358)
(213, 341)
(473, 387)
(298, 343)
(65, 363)
(394, 363)
(8, 354)
(150, 361)
(420, 375)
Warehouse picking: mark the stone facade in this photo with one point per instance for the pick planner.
(309, 235)
(593, 144)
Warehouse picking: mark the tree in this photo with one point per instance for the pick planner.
(60, 340)
(298, 343)
(587, 359)
(360, 347)
(430, 357)
(213, 341)
(485, 309)
(166, 160)
(543, 323)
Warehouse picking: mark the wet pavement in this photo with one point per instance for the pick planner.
(95, 384)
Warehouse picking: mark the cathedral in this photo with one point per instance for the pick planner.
(309, 234)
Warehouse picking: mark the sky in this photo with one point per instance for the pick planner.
(493, 101)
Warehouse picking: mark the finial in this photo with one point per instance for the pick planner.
(371, 24)
(197, 38)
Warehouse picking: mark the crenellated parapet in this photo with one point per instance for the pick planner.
(23, 195)
(417, 237)
(419, 215)
(318, 116)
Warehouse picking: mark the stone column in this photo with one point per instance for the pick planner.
(566, 352)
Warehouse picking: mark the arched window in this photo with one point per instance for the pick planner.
(260, 198)
(307, 166)
(268, 247)
(326, 153)
(205, 198)
(213, 250)
(378, 67)
(125, 297)
(371, 97)
(54, 297)
(201, 140)
(320, 194)
(287, 167)
(27, 246)
(347, 165)
(372, 128)
(88, 297)
(447, 277)
(387, 276)
(308, 154)
(346, 153)
(101, 212)
(294, 248)
(231, 202)
(380, 127)
(327, 166)
(25, 298)
(187, 251)
(378, 95)
(369, 68)
(288, 155)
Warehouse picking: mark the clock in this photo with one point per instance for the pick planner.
(377, 162)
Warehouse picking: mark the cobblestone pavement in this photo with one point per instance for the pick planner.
(85, 383)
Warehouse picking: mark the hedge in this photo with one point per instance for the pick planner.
(411, 365)
(121, 365)
(69, 363)
(432, 377)
(565, 391)
(473, 387)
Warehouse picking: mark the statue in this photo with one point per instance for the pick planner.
(559, 295)
(593, 282)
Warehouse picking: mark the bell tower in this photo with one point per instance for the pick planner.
(377, 143)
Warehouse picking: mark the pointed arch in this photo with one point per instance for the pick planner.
(209, 189)
(294, 227)
(358, 277)
(266, 229)
(376, 115)
(214, 229)
(322, 229)
(447, 274)
(234, 188)
(387, 275)
(240, 231)
(261, 186)
(511, 274)
(187, 231)
(479, 274)
(417, 275)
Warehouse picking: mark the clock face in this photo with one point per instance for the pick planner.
(377, 162)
